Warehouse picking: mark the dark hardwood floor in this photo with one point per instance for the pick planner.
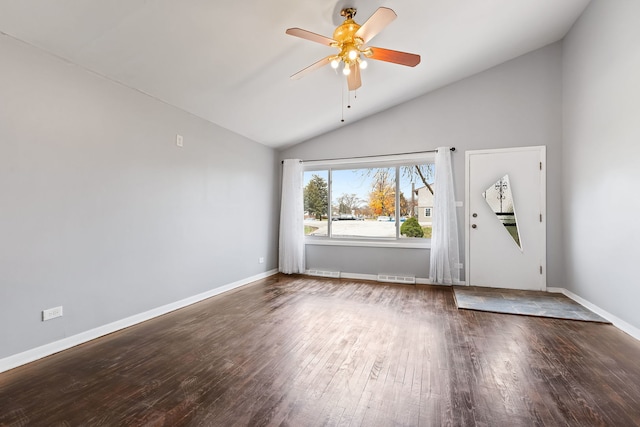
(298, 351)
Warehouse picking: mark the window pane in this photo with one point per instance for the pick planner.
(416, 200)
(363, 203)
(316, 203)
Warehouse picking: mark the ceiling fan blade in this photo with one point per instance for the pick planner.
(376, 23)
(310, 68)
(308, 35)
(353, 79)
(395, 56)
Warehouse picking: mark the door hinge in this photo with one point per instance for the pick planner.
(540, 165)
(540, 269)
(540, 217)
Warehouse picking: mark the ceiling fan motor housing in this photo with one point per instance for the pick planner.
(344, 35)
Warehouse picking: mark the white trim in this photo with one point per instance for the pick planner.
(391, 161)
(617, 322)
(403, 243)
(28, 356)
(396, 278)
(375, 161)
(359, 276)
(322, 273)
(374, 278)
(428, 282)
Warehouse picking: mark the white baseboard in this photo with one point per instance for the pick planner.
(28, 356)
(374, 277)
(429, 282)
(617, 322)
(323, 273)
(358, 276)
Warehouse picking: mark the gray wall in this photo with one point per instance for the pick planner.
(518, 103)
(101, 213)
(369, 260)
(601, 176)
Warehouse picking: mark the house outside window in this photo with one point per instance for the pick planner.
(425, 204)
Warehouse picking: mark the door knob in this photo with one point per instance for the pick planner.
(474, 226)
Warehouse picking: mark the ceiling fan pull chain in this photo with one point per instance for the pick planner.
(342, 104)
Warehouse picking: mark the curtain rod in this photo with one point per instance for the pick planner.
(376, 155)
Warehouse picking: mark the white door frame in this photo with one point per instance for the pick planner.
(543, 205)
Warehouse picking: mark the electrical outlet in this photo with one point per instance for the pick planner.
(261, 260)
(51, 313)
(179, 140)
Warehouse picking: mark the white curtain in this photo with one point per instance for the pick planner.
(444, 238)
(291, 251)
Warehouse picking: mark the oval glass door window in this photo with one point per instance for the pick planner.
(500, 199)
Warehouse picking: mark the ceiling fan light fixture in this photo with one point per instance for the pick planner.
(350, 38)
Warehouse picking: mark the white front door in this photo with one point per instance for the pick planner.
(505, 218)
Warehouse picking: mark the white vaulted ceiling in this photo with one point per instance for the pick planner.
(229, 62)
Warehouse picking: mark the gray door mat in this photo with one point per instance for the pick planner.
(528, 303)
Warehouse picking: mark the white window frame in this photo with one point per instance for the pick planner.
(368, 162)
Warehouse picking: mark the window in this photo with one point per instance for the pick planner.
(368, 202)
(316, 203)
(427, 211)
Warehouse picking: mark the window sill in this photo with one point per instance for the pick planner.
(404, 244)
